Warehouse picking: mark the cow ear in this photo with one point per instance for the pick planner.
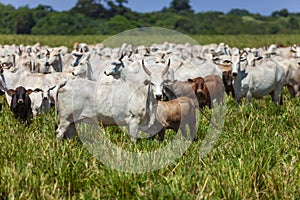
(227, 62)
(242, 59)
(190, 80)
(51, 88)
(37, 90)
(168, 81)
(146, 82)
(11, 92)
(259, 58)
(29, 91)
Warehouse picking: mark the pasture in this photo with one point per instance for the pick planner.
(239, 41)
(256, 157)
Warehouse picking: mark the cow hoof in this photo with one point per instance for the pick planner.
(58, 135)
(133, 140)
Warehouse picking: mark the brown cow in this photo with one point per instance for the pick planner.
(210, 89)
(204, 91)
(228, 83)
(201, 91)
(180, 89)
(176, 114)
(215, 88)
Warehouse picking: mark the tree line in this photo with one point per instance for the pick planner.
(112, 16)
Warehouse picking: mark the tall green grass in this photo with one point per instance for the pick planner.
(239, 41)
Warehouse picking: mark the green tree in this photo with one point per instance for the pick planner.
(24, 21)
(292, 23)
(90, 8)
(180, 5)
(66, 24)
(282, 13)
(238, 12)
(7, 19)
(118, 9)
(119, 24)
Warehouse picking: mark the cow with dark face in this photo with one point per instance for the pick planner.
(227, 81)
(209, 90)
(21, 103)
(201, 91)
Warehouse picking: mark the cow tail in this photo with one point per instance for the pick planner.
(56, 90)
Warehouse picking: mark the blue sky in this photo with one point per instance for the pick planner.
(264, 7)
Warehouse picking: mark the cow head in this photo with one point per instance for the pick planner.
(8, 60)
(81, 70)
(156, 78)
(227, 78)
(201, 91)
(252, 57)
(40, 100)
(236, 58)
(115, 68)
(54, 59)
(20, 95)
(53, 56)
(77, 57)
(200, 86)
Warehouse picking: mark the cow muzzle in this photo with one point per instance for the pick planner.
(158, 97)
(47, 64)
(20, 101)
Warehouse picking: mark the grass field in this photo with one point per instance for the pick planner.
(239, 41)
(256, 157)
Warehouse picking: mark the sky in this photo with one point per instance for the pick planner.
(263, 7)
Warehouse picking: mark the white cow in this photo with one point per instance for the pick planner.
(55, 61)
(190, 70)
(125, 103)
(292, 73)
(256, 80)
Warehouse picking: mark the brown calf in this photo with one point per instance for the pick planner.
(210, 89)
(176, 114)
(227, 81)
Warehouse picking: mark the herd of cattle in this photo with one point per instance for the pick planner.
(150, 88)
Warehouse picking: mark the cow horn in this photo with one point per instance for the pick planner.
(122, 56)
(166, 68)
(148, 50)
(145, 69)
(130, 54)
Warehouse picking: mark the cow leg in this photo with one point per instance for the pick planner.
(296, 90)
(183, 129)
(70, 131)
(232, 92)
(133, 128)
(291, 91)
(275, 95)
(192, 125)
(161, 134)
(64, 127)
(249, 96)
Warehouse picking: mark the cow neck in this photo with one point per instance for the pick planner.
(3, 83)
(150, 100)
